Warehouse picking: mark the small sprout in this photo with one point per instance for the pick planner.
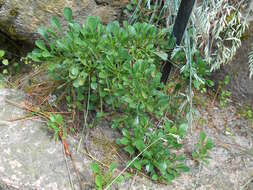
(200, 154)
(57, 124)
(2, 53)
(5, 62)
(102, 179)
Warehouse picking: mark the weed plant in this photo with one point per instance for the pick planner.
(117, 69)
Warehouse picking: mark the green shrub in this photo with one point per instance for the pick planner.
(4, 62)
(159, 161)
(96, 56)
(224, 94)
(56, 124)
(103, 179)
(118, 69)
(200, 69)
(200, 154)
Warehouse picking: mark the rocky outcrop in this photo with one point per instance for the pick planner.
(240, 85)
(30, 158)
(21, 19)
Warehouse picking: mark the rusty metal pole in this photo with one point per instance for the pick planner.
(183, 16)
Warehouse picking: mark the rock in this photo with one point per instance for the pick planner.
(29, 157)
(21, 19)
(240, 85)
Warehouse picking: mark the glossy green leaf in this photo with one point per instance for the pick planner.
(140, 144)
(209, 143)
(5, 62)
(129, 149)
(169, 177)
(76, 83)
(99, 181)
(137, 164)
(42, 31)
(5, 71)
(74, 72)
(162, 55)
(2, 53)
(132, 30)
(144, 95)
(183, 168)
(125, 132)
(95, 168)
(56, 23)
(68, 13)
(112, 167)
(202, 136)
(40, 44)
(155, 177)
(93, 85)
(182, 129)
(149, 168)
(92, 23)
(102, 75)
(46, 54)
(124, 141)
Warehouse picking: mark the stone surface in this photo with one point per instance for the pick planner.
(21, 19)
(30, 158)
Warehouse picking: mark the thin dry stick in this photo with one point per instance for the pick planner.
(28, 108)
(215, 96)
(23, 118)
(85, 126)
(247, 183)
(129, 164)
(58, 112)
(69, 175)
(93, 158)
(132, 183)
(76, 170)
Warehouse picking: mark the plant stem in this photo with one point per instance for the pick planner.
(129, 164)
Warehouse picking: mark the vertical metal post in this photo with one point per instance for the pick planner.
(179, 27)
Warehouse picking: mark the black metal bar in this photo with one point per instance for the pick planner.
(179, 27)
(182, 19)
